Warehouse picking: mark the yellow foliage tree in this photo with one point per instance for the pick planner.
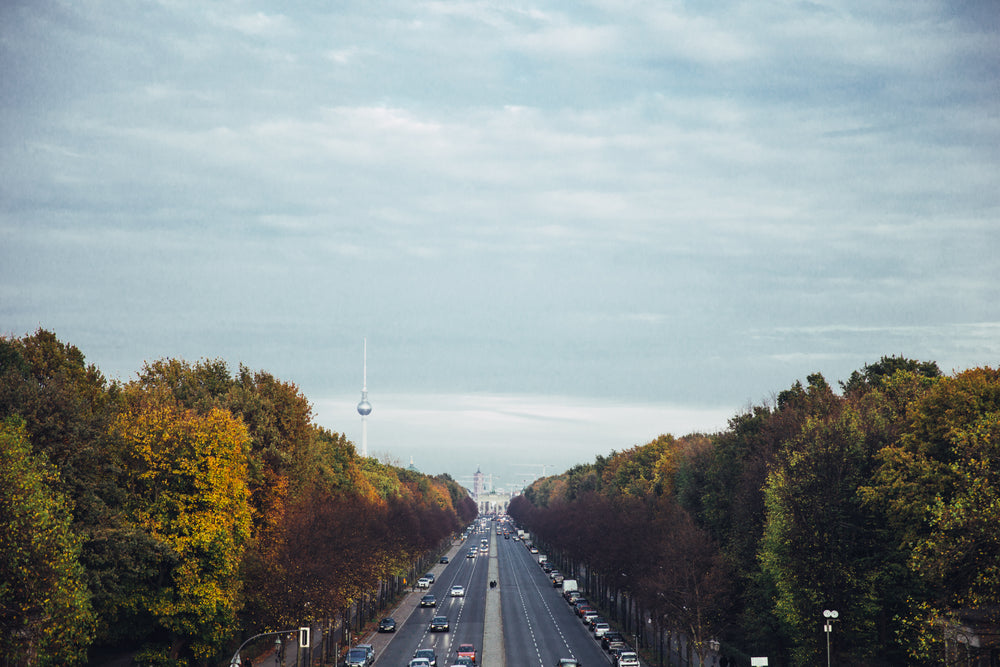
(187, 488)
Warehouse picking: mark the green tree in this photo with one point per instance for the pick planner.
(45, 613)
(819, 540)
(938, 484)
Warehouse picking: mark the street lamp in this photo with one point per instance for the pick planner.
(714, 645)
(830, 616)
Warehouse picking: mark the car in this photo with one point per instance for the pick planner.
(356, 657)
(458, 591)
(430, 577)
(467, 651)
(588, 615)
(568, 662)
(428, 601)
(609, 637)
(429, 654)
(444, 560)
(439, 624)
(600, 628)
(628, 659)
(419, 662)
(370, 650)
(463, 662)
(616, 650)
(423, 582)
(471, 554)
(387, 625)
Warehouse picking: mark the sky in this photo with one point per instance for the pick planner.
(564, 228)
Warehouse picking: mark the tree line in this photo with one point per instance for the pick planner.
(881, 502)
(181, 511)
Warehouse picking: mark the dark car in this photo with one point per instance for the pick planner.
(429, 654)
(609, 637)
(444, 560)
(439, 624)
(428, 601)
(356, 657)
(387, 625)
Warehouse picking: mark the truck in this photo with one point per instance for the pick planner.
(542, 558)
(523, 534)
(569, 585)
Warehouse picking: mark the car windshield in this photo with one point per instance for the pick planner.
(358, 654)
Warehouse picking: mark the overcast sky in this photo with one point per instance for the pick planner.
(563, 227)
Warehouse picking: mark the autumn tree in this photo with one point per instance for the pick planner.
(938, 485)
(45, 612)
(186, 485)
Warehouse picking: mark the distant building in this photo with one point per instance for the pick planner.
(478, 484)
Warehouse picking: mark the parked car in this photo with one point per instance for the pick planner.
(439, 624)
(600, 628)
(428, 601)
(613, 636)
(430, 577)
(458, 591)
(357, 657)
(444, 560)
(429, 654)
(588, 615)
(467, 651)
(370, 650)
(423, 582)
(387, 625)
(628, 659)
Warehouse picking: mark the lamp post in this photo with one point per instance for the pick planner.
(830, 616)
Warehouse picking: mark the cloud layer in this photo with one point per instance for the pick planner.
(640, 201)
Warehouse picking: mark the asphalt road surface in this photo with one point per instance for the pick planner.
(533, 627)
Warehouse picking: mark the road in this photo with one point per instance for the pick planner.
(538, 627)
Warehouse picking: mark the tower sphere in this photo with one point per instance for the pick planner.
(364, 407)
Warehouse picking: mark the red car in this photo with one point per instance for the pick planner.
(467, 651)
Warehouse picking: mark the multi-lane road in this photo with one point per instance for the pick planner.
(536, 626)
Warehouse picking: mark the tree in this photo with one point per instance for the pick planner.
(820, 539)
(186, 483)
(938, 483)
(45, 613)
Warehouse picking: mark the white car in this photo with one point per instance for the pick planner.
(420, 662)
(457, 591)
(628, 659)
(423, 582)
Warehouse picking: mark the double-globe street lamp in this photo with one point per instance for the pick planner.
(830, 615)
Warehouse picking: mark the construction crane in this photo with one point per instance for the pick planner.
(543, 466)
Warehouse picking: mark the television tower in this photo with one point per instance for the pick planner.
(364, 407)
